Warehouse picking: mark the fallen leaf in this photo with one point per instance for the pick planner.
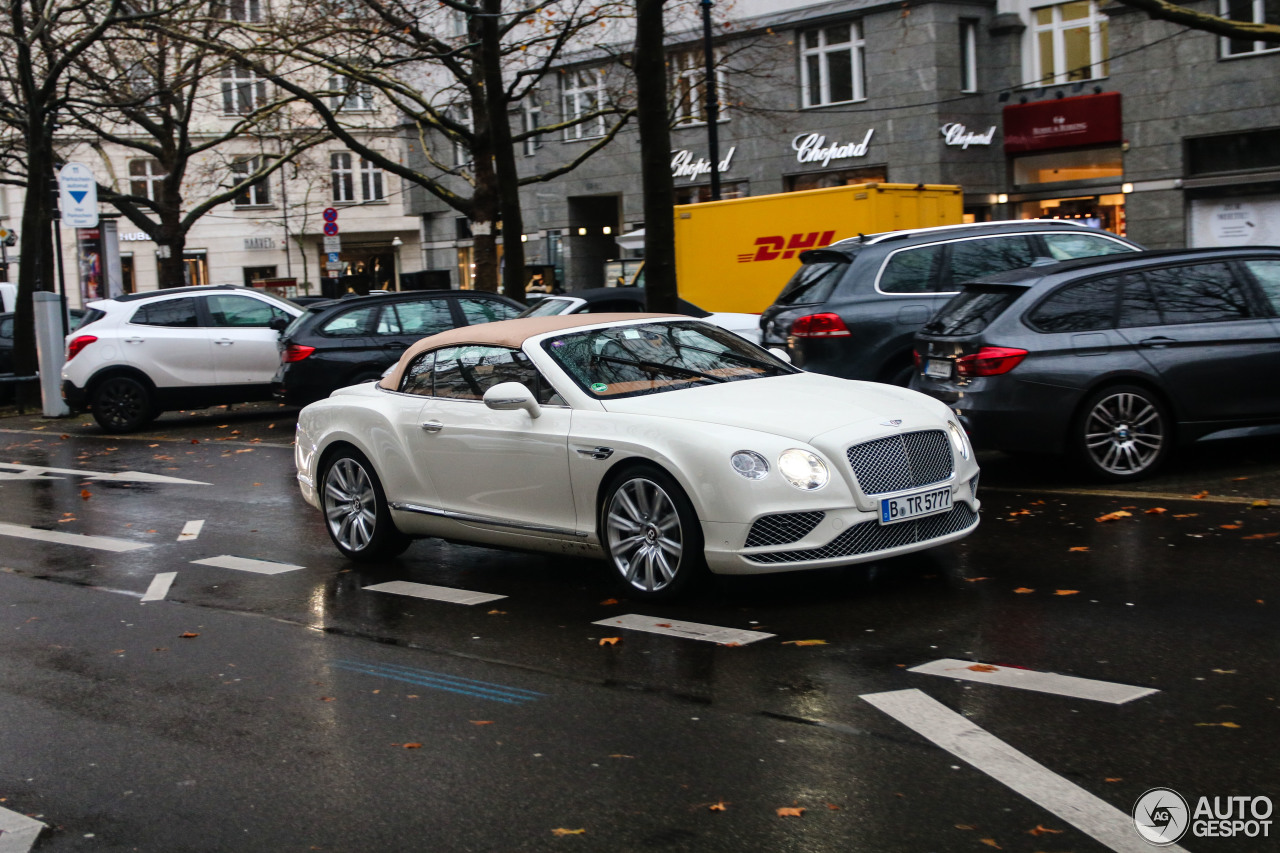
(1022, 590)
(1232, 526)
(717, 807)
(1020, 512)
(991, 842)
(1042, 830)
(1079, 549)
(413, 746)
(796, 811)
(965, 826)
(563, 832)
(975, 580)
(621, 755)
(1113, 779)
(983, 667)
(610, 641)
(805, 643)
(662, 625)
(1187, 515)
(1067, 592)
(1223, 725)
(1114, 516)
(1156, 510)
(117, 651)
(1260, 504)
(833, 807)
(1263, 536)
(1225, 671)
(86, 494)
(195, 441)
(326, 698)
(188, 636)
(497, 613)
(609, 601)
(1201, 496)
(481, 722)
(730, 645)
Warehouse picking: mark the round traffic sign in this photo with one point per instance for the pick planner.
(330, 214)
(331, 229)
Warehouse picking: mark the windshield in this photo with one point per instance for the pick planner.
(546, 307)
(650, 358)
(814, 281)
(971, 311)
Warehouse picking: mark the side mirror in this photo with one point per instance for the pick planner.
(781, 354)
(278, 323)
(511, 396)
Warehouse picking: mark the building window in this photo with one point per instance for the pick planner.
(968, 55)
(1069, 42)
(248, 11)
(370, 181)
(831, 65)
(243, 91)
(583, 94)
(256, 194)
(146, 179)
(349, 96)
(689, 86)
(344, 182)
(701, 193)
(1253, 12)
(530, 119)
(835, 178)
(461, 114)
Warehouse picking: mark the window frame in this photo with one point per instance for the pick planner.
(687, 75)
(243, 91)
(372, 184)
(575, 92)
(342, 177)
(150, 183)
(855, 46)
(1098, 28)
(350, 96)
(257, 194)
(968, 55)
(1258, 16)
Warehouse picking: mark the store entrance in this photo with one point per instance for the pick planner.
(1098, 211)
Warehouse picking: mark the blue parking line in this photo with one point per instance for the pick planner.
(441, 681)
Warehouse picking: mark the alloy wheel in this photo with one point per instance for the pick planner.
(645, 537)
(1124, 434)
(350, 504)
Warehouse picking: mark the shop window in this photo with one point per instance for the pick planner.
(582, 97)
(837, 178)
(831, 65)
(1253, 12)
(195, 268)
(1068, 42)
(1065, 166)
(255, 274)
(702, 192)
(1252, 151)
(1105, 212)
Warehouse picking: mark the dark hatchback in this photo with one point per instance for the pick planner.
(1112, 360)
(853, 308)
(354, 339)
(75, 317)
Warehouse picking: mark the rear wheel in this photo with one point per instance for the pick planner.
(651, 534)
(1123, 433)
(356, 512)
(122, 404)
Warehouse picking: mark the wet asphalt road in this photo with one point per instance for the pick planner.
(311, 714)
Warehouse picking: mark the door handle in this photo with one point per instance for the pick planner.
(432, 426)
(1158, 342)
(134, 340)
(224, 342)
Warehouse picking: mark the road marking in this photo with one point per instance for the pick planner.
(441, 681)
(1089, 814)
(434, 593)
(688, 630)
(244, 564)
(190, 530)
(17, 832)
(80, 540)
(159, 586)
(1041, 682)
(12, 470)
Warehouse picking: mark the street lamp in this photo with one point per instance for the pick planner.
(396, 243)
(712, 100)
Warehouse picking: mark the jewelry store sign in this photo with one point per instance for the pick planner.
(683, 165)
(957, 135)
(813, 148)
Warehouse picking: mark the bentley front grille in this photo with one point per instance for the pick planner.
(899, 462)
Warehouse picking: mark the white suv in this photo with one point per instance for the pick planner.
(141, 354)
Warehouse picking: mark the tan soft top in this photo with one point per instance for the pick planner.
(509, 333)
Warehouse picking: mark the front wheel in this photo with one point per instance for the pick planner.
(122, 404)
(355, 510)
(651, 535)
(1123, 433)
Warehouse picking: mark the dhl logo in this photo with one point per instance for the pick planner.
(773, 248)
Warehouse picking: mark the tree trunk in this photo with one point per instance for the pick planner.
(660, 292)
(490, 54)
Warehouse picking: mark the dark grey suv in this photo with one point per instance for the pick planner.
(1115, 360)
(853, 307)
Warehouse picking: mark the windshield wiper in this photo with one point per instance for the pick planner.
(657, 365)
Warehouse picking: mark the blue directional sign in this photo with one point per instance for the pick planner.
(78, 196)
(333, 257)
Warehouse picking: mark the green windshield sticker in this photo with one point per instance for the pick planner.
(599, 387)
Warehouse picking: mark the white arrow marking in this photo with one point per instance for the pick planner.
(687, 630)
(159, 586)
(100, 543)
(1089, 814)
(190, 530)
(1041, 682)
(244, 564)
(123, 476)
(17, 832)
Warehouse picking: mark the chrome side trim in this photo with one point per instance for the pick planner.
(594, 452)
(481, 519)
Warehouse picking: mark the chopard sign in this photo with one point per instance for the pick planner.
(956, 134)
(684, 166)
(813, 148)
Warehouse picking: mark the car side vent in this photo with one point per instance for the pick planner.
(899, 462)
(783, 528)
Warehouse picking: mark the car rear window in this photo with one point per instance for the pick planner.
(486, 310)
(972, 310)
(179, 313)
(1086, 306)
(815, 279)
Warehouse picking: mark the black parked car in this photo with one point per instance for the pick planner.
(354, 339)
(1115, 360)
(853, 307)
(75, 317)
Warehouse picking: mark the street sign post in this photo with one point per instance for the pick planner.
(78, 196)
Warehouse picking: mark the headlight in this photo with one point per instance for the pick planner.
(749, 464)
(802, 469)
(959, 439)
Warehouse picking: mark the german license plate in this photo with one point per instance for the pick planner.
(938, 368)
(906, 507)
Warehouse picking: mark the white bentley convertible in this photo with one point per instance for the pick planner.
(664, 444)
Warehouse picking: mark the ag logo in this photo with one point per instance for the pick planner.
(1161, 816)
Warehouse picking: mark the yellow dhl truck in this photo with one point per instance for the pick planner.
(736, 255)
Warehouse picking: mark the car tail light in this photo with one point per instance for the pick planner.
(78, 343)
(820, 326)
(295, 352)
(915, 357)
(990, 361)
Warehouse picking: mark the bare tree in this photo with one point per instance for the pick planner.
(654, 119)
